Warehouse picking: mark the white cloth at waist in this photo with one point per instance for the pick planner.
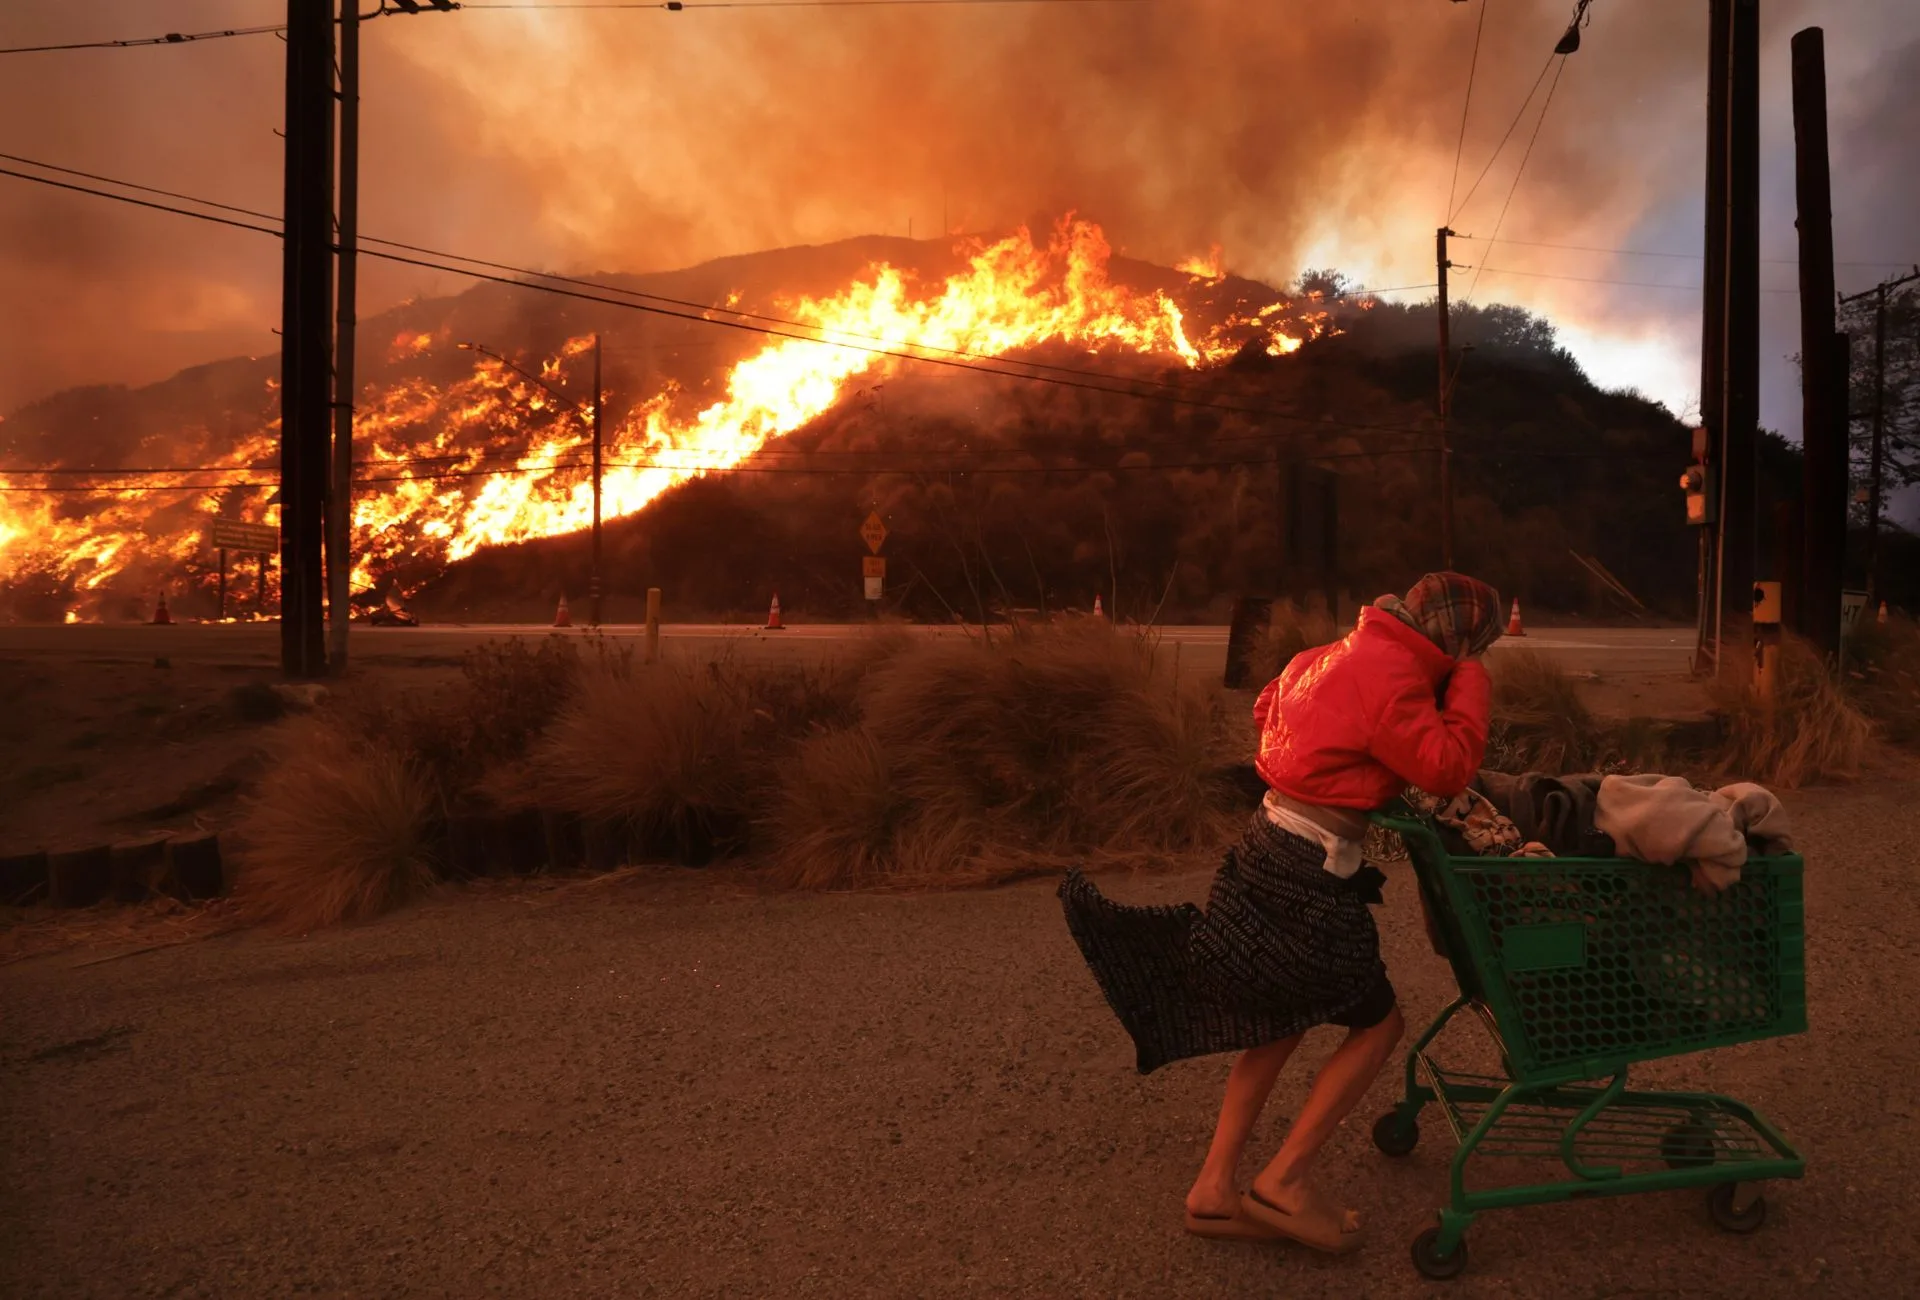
(1344, 856)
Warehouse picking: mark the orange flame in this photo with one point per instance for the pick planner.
(496, 458)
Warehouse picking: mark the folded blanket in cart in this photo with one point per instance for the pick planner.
(1665, 819)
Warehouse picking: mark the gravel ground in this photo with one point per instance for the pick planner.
(683, 1086)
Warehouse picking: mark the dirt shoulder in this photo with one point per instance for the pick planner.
(676, 1084)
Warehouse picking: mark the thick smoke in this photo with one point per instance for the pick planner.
(1290, 134)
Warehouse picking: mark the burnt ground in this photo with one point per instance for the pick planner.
(675, 1084)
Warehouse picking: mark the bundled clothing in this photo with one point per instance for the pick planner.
(1555, 811)
(1649, 817)
(1664, 819)
(1286, 941)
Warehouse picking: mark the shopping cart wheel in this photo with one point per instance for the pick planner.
(1687, 1146)
(1393, 1138)
(1721, 1205)
(1432, 1265)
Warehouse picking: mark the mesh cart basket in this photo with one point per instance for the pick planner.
(1579, 967)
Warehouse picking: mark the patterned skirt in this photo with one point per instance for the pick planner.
(1282, 946)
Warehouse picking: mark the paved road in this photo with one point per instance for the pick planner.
(1641, 652)
(680, 1087)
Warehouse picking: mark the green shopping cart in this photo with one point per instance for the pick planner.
(1579, 967)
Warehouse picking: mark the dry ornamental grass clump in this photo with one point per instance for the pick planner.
(1809, 731)
(339, 830)
(974, 762)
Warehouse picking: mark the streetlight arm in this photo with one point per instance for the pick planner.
(573, 401)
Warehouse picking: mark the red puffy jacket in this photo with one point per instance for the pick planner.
(1352, 724)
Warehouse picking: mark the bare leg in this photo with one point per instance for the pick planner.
(1215, 1191)
(1337, 1089)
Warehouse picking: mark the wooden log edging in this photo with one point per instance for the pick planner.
(186, 866)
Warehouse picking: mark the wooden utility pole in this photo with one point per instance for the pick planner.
(1441, 264)
(306, 362)
(1822, 371)
(1713, 330)
(1876, 454)
(340, 493)
(1740, 330)
(595, 589)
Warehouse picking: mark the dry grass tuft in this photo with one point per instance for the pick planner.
(973, 760)
(1291, 629)
(1540, 723)
(666, 748)
(1883, 676)
(1811, 730)
(339, 830)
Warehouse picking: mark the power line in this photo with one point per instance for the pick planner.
(916, 470)
(1499, 148)
(1645, 252)
(591, 284)
(1628, 284)
(123, 198)
(1473, 65)
(171, 38)
(992, 365)
(1520, 171)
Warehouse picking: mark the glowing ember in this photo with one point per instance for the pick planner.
(429, 456)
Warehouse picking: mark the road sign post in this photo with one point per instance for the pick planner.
(873, 568)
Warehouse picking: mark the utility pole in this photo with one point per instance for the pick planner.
(1446, 448)
(1822, 369)
(1740, 330)
(306, 363)
(1713, 333)
(594, 587)
(340, 495)
(1879, 295)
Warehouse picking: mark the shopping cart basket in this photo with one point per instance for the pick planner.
(1579, 967)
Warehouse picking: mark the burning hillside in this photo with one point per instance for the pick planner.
(458, 449)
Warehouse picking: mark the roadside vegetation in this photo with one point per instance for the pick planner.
(910, 763)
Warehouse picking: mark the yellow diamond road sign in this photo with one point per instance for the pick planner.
(873, 533)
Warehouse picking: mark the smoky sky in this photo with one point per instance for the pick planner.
(1291, 134)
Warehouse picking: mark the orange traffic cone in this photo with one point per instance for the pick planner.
(561, 618)
(1099, 610)
(160, 615)
(1513, 620)
(773, 614)
(1882, 620)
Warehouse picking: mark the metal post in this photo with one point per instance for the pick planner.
(223, 583)
(595, 590)
(306, 368)
(1446, 449)
(1713, 322)
(1740, 329)
(340, 490)
(1825, 475)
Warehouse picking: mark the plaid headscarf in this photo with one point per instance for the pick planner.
(1459, 614)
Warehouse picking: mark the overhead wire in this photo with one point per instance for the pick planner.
(1460, 145)
(171, 38)
(1518, 172)
(1501, 147)
(981, 363)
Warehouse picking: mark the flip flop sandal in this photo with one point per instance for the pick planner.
(1317, 1228)
(1228, 1227)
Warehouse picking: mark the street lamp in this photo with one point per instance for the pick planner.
(594, 587)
